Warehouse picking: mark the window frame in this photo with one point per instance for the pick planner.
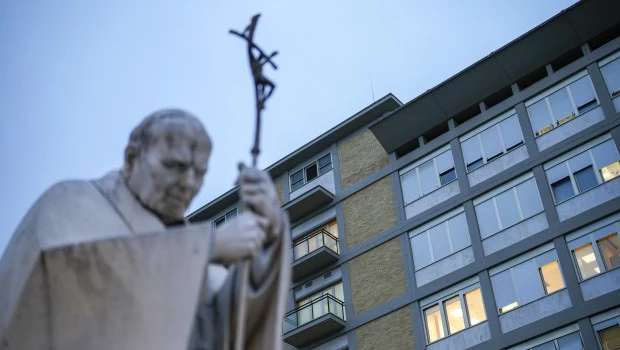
(591, 236)
(477, 133)
(565, 159)
(415, 166)
(602, 63)
(544, 96)
(549, 337)
(225, 217)
(440, 303)
(320, 171)
(544, 254)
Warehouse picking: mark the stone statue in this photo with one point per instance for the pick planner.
(112, 264)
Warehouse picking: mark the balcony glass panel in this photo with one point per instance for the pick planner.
(311, 310)
(314, 241)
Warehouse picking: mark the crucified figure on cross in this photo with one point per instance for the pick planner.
(263, 87)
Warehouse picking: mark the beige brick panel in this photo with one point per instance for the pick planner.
(392, 331)
(369, 212)
(377, 276)
(279, 183)
(360, 156)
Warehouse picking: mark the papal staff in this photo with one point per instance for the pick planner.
(263, 88)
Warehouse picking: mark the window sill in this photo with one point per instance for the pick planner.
(555, 126)
(588, 190)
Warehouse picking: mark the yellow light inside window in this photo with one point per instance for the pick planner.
(611, 171)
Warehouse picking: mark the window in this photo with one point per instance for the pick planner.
(325, 236)
(584, 171)
(562, 104)
(611, 74)
(596, 251)
(607, 329)
(317, 305)
(491, 143)
(224, 218)
(527, 281)
(428, 176)
(507, 208)
(460, 310)
(567, 338)
(311, 171)
(610, 338)
(430, 244)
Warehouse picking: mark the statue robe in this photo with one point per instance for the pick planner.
(104, 210)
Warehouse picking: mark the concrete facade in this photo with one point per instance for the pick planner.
(382, 291)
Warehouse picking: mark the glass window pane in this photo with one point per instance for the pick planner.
(570, 342)
(586, 261)
(439, 241)
(472, 153)
(611, 171)
(220, 221)
(611, 73)
(487, 219)
(459, 232)
(552, 277)
(610, 338)
(300, 249)
(511, 132)
(325, 160)
(560, 104)
(475, 307)
(562, 190)
(428, 177)
(444, 161)
(507, 208)
(434, 327)
(556, 173)
(421, 251)
(529, 198)
(231, 214)
(605, 154)
(447, 177)
(610, 250)
(411, 187)
(505, 296)
(580, 161)
(491, 143)
(527, 280)
(297, 180)
(454, 314)
(332, 228)
(539, 115)
(586, 179)
(338, 292)
(583, 94)
(546, 346)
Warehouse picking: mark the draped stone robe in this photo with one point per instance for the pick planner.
(65, 283)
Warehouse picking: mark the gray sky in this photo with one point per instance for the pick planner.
(76, 76)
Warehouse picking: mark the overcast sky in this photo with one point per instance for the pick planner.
(76, 76)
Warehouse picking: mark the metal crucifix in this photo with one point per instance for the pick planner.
(263, 87)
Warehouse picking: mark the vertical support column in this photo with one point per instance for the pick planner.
(600, 88)
(342, 237)
(336, 167)
(348, 296)
(526, 128)
(549, 69)
(474, 231)
(568, 272)
(352, 341)
(545, 195)
(587, 334)
(482, 106)
(489, 305)
(286, 186)
(399, 204)
(405, 247)
(615, 135)
(419, 332)
(459, 165)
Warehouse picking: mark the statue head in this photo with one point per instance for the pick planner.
(165, 162)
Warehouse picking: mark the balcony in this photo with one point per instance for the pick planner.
(316, 251)
(313, 320)
(308, 202)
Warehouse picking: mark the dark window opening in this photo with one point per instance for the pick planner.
(407, 147)
(467, 114)
(311, 172)
(514, 146)
(435, 132)
(566, 59)
(531, 78)
(604, 37)
(447, 176)
(587, 106)
(498, 97)
(562, 189)
(586, 179)
(220, 221)
(475, 164)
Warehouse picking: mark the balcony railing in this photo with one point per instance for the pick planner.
(324, 305)
(314, 241)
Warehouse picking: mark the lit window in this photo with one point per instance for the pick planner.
(527, 281)
(463, 310)
(439, 241)
(586, 261)
(509, 207)
(584, 171)
(610, 251)
(311, 172)
(427, 177)
(491, 143)
(610, 338)
(562, 106)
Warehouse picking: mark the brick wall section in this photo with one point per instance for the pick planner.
(279, 183)
(392, 331)
(369, 212)
(360, 156)
(377, 276)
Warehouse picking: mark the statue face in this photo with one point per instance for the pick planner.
(168, 173)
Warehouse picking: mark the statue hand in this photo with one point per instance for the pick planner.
(239, 239)
(257, 191)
